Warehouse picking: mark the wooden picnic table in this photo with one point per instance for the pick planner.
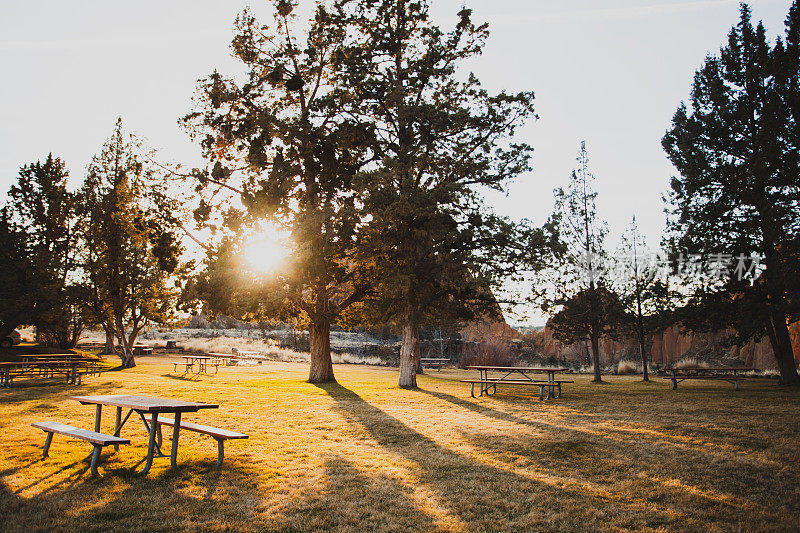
(200, 360)
(145, 405)
(550, 388)
(224, 357)
(731, 374)
(70, 368)
(434, 362)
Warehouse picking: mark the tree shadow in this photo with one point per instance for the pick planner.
(347, 498)
(674, 471)
(476, 492)
(225, 499)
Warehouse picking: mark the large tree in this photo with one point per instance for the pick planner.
(737, 148)
(43, 210)
(130, 251)
(283, 143)
(573, 291)
(440, 138)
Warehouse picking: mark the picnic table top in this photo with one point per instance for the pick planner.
(518, 368)
(221, 354)
(434, 359)
(149, 404)
(705, 369)
(196, 356)
(49, 362)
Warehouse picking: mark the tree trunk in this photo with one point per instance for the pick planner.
(409, 356)
(109, 347)
(645, 371)
(596, 358)
(321, 365)
(127, 353)
(782, 348)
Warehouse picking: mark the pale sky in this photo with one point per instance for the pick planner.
(611, 72)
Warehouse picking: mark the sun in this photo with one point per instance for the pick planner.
(267, 250)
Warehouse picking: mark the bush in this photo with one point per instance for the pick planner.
(689, 362)
(627, 367)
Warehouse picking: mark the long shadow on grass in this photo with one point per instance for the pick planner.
(352, 500)
(482, 495)
(563, 452)
(195, 497)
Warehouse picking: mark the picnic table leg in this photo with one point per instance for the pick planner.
(173, 452)
(98, 411)
(674, 384)
(220, 452)
(117, 426)
(47, 441)
(151, 444)
(95, 458)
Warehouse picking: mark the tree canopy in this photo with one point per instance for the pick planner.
(736, 147)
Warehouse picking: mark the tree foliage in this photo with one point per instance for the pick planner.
(736, 147)
(439, 138)
(130, 251)
(40, 229)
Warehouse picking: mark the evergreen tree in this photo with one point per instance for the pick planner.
(738, 193)
(436, 250)
(645, 294)
(41, 207)
(573, 291)
(130, 253)
(17, 276)
(284, 143)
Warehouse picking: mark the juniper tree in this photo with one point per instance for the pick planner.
(440, 138)
(736, 147)
(43, 210)
(283, 142)
(130, 251)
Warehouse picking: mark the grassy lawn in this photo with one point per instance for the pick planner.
(365, 455)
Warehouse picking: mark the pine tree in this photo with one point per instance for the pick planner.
(130, 251)
(736, 148)
(284, 143)
(645, 294)
(436, 250)
(573, 291)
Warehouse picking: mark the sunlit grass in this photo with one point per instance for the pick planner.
(365, 455)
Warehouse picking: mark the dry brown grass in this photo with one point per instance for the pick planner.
(364, 455)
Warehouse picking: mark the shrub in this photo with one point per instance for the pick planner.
(689, 362)
(627, 367)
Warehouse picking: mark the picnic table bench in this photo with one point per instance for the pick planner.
(227, 359)
(549, 388)
(434, 362)
(97, 440)
(220, 435)
(142, 349)
(731, 374)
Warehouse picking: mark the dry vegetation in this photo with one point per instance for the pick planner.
(365, 455)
